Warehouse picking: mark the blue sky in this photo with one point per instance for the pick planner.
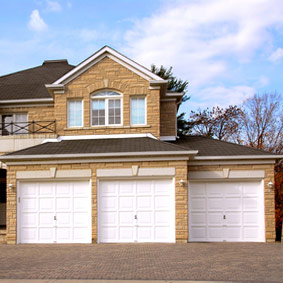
(227, 49)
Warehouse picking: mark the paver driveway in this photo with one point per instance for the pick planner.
(194, 261)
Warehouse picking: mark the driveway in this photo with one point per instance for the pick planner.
(257, 262)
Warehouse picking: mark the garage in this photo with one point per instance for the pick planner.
(226, 211)
(136, 211)
(54, 212)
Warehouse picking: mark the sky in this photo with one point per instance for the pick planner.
(227, 50)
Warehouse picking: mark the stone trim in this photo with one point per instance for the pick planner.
(53, 173)
(226, 173)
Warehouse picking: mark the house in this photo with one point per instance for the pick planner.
(90, 155)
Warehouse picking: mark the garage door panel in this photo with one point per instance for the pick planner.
(144, 202)
(198, 204)
(233, 203)
(46, 190)
(234, 211)
(233, 218)
(29, 204)
(108, 203)
(143, 206)
(52, 216)
(64, 204)
(125, 218)
(144, 187)
(126, 203)
(108, 189)
(46, 219)
(163, 217)
(145, 218)
(215, 204)
(162, 202)
(127, 233)
(215, 218)
(46, 204)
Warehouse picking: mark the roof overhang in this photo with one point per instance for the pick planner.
(98, 155)
(239, 157)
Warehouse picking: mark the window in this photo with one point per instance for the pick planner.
(106, 108)
(14, 124)
(75, 113)
(138, 111)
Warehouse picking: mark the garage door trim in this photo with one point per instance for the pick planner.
(28, 180)
(105, 179)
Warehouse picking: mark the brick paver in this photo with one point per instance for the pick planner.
(195, 261)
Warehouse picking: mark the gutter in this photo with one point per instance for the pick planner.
(26, 100)
(239, 157)
(88, 155)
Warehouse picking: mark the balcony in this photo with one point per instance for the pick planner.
(19, 135)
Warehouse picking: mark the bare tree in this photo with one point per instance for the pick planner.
(262, 122)
(220, 123)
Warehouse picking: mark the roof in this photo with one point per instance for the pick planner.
(211, 147)
(113, 54)
(30, 83)
(99, 147)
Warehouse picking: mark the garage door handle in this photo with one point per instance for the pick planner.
(136, 217)
(55, 217)
(224, 216)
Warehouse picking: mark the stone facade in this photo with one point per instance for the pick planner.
(108, 75)
(268, 193)
(181, 193)
(168, 118)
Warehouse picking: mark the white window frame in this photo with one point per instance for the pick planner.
(95, 96)
(145, 110)
(68, 114)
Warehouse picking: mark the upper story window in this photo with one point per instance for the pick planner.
(14, 124)
(106, 108)
(138, 111)
(75, 113)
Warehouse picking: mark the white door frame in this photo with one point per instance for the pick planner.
(172, 179)
(230, 181)
(18, 236)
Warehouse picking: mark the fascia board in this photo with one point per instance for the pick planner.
(26, 100)
(239, 157)
(88, 155)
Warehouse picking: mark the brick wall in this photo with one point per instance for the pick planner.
(108, 74)
(181, 195)
(268, 193)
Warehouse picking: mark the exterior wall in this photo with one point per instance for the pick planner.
(168, 119)
(107, 74)
(181, 195)
(36, 113)
(269, 201)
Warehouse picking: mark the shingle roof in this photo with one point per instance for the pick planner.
(210, 147)
(30, 83)
(93, 146)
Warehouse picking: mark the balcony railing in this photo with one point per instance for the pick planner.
(31, 127)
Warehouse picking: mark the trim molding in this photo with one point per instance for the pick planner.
(53, 174)
(26, 100)
(239, 157)
(230, 162)
(168, 138)
(226, 173)
(102, 160)
(135, 171)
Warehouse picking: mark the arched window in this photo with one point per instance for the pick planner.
(106, 108)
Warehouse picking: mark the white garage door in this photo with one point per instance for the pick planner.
(136, 211)
(226, 211)
(54, 212)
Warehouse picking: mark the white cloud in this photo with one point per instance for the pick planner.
(88, 35)
(201, 39)
(36, 22)
(53, 6)
(218, 96)
(276, 56)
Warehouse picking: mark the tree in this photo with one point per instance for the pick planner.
(262, 122)
(174, 85)
(220, 123)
